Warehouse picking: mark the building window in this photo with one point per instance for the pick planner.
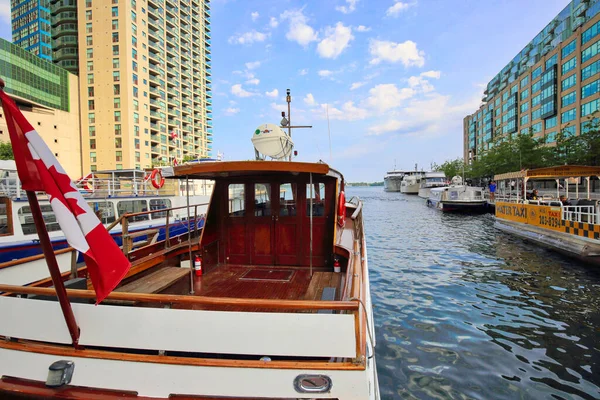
(119, 166)
(551, 122)
(115, 24)
(116, 50)
(550, 137)
(138, 158)
(91, 105)
(135, 66)
(136, 118)
(536, 72)
(88, 15)
(568, 49)
(535, 128)
(524, 82)
(135, 92)
(92, 131)
(92, 156)
(118, 143)
(551, 61)
(589, 52)
(133, 30)
(134, 41)
(135, 79)
(116, 90)
(525, 106)
(91, 118)
(89, 41)
(589, 108)
(117, 129)
(569, 82)
(117, 116)
(133, 16)
(525, 119)
(115, 12)
(536, 87)
(93, 144)
(569, 65)
(118, 156)
(590, 89)
(590, 33)
(136, 130)
(117, 103)
(569, 131)
(137, 144)
(134, 54)
(116, 76)
(115, 63)
(524, 94)
(115, 37)
(89, 53)
(567, 116)
(590, 70)
(536, 114)
(90, 66)
(136, 105)
(90, 91)
(88, 27)
(90, 79)
(569, 99)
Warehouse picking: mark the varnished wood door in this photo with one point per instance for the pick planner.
(236, 219)
(261, 224)
(287, 225)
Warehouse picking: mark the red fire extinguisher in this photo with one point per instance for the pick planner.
(336, 265)
(198, 265)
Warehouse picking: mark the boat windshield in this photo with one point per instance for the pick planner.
(436, 180)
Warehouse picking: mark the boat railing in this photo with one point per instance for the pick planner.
(102, 186)
(583, 213)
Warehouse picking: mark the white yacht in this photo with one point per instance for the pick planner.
(411, 182)
(392, 180)
(457, 197)
(431, 180)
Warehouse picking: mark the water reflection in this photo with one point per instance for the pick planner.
(465, 311)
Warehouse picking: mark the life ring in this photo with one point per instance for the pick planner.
(157, 179)
(341, 211)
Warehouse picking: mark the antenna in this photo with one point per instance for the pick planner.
(329, 133)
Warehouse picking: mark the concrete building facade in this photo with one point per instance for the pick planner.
(551, 86)
(48, 96)
(145, 82)
(31, 26)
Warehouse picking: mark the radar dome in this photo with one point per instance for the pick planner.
(271, 141)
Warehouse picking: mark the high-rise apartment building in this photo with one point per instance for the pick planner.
(551, 86)
(145, 73)
(31, 26)
(64, 34)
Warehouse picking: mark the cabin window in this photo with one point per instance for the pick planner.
(287, 200)
(160, 204)
(104, 210)
(28, 225)
(133, 206)
(6, 227)
(236, 196)
(317, 194)
(262, 199)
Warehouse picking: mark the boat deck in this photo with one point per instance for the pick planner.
(264, 282)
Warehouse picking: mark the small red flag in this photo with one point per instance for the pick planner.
(39, 170)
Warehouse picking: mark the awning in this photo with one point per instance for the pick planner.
(561, 171)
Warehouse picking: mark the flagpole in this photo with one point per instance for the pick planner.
(59, 286)
(61, 293)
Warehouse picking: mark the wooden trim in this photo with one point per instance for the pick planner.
(60, 350)
(211, 170)
(192, 300)
(33, 258)
(9, 216)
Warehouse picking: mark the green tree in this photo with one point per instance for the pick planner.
(451, 167)
(6, 151)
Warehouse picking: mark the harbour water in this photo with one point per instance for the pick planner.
(465, 311)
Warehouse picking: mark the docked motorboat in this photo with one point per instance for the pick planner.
(393, 180)
(411, 182)
(432, 180)
(457, 197)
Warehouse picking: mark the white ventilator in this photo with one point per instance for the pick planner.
(270, 140)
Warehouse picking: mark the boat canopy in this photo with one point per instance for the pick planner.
(561, 171)
(226, 169)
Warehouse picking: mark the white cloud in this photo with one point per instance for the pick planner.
(422, 84)
(253, 64)
(273, 22)
(362, 28)
(231, 111)
(397, 8)
(348, 112)
(280, 107)
(387, 96)
(253, 81)
(431, 74)
(238, 91)
(249, 37)
(350, 7)
(356, 85)
(299, 30)
(406, 53)
(255, 15)
(303, 71)
(309, 100)
(336, 40)
(325, 73)
(273, 93)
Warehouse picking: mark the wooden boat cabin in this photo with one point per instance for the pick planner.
(269, 317)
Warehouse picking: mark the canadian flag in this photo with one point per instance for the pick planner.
(39, 170)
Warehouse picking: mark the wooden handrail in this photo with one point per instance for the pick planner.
(12, 263)
(191, 300)
(161, 210)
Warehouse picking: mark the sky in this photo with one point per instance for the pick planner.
(396, 77)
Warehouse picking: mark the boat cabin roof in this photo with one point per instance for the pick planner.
(561, 171)
(227, 169)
